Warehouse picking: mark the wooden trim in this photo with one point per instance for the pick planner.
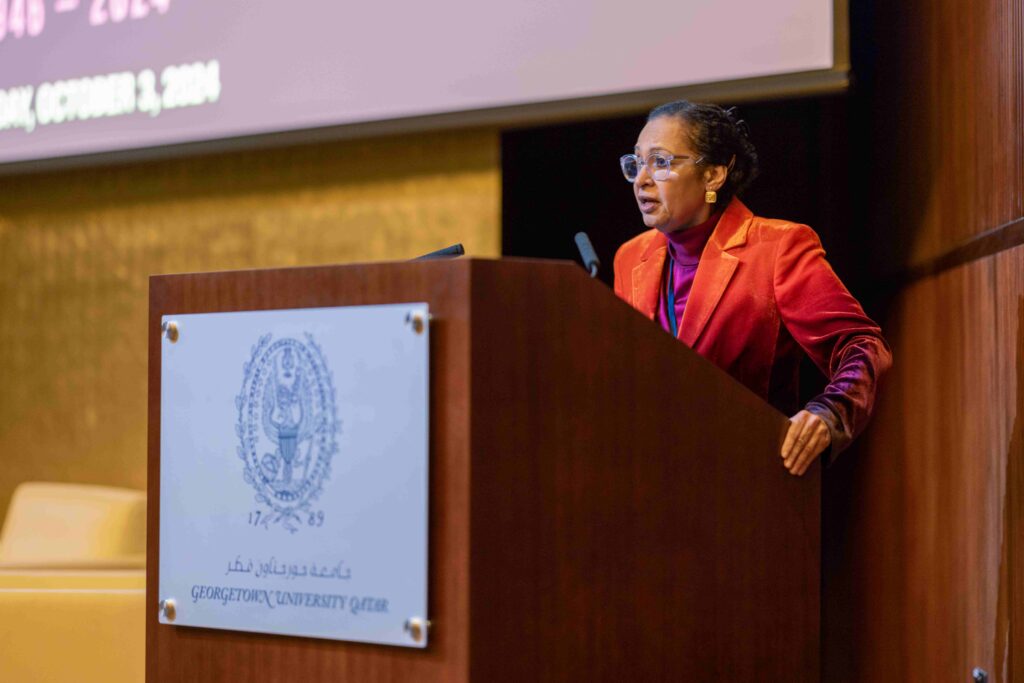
(994, 241)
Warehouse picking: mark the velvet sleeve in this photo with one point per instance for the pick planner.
(831, 327)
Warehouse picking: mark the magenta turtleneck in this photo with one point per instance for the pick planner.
(684, 250)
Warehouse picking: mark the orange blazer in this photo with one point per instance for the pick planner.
(763, 296)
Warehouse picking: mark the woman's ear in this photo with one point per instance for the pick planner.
(714, 177)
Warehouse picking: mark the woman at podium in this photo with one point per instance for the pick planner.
(751, 294)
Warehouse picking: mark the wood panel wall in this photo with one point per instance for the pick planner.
(943, 90)
(932, 516)
(925, 573)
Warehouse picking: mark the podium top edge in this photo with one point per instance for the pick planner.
(458, 262)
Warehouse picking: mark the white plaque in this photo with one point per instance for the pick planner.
(293, 472)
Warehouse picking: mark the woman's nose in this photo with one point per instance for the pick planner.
(643, 177)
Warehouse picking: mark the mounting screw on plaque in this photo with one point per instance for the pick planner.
(417, 628)
(979, 675)
(418, 321)
(167, 609)
(170, 330)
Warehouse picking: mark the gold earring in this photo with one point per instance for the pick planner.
(710, 197)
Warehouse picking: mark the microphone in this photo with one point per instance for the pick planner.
(587, 253)
(448, 252)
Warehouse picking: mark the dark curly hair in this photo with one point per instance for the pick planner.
(721, 138)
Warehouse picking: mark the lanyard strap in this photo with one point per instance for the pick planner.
(670, 295)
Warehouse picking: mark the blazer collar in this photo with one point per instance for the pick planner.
(713, 274)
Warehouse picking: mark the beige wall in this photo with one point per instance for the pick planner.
(77, 247)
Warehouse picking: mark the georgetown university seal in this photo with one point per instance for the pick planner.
(287, 429)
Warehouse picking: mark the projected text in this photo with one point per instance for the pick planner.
(108, 95)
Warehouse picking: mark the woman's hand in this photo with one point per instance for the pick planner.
(806, 438)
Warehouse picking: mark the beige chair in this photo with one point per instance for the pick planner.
(73, 585)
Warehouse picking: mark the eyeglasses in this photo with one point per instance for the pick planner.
(658, 164)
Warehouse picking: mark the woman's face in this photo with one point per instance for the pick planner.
(676, 203)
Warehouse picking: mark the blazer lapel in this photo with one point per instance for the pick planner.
(716, 269)
(646, 276)
(713, 275)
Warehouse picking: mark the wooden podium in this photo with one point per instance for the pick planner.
(605, 505)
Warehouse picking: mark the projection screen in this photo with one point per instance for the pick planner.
(85, 77)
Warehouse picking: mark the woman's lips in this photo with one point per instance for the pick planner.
(648, 205)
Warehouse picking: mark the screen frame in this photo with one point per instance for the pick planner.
(819, 82)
